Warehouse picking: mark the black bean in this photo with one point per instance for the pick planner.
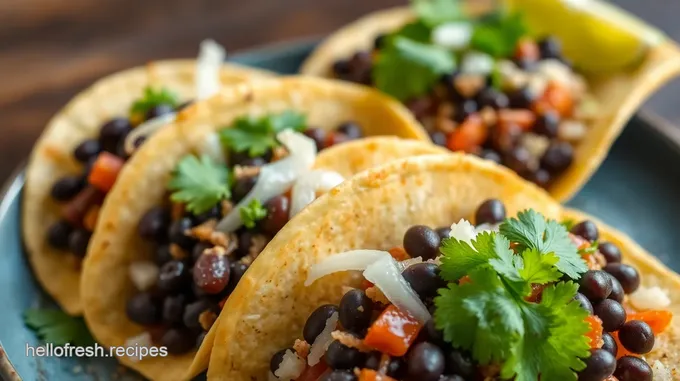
(158, 110)
(420, 107)
(609, 344)
(627, 275)
(464, 109)
(397, 368)
(491, 211)
(490, 97)
(317, 322)
(558, 157)
(339, 375)
(214, 213)
(617, 290)
(154, 225)
(373, 360)
(550, 47)
(424, 279)
(421, 241)
(350, 129)
(519, 159)
(193, 311)
(489, 154)
(426, 362)
(341, 68)
(610, 252)
(144, 308)
(379, 41)
(241, 188)
(431, 334)
(439, 138)
(87, 150)
(547, 124)
(356, 310)
(173, 276)
(460, 363)
(612, 314)
(173, 308)
(599, 365)
(637, 337)
(277, 214)
(521, 98)
(277, 359)
(526, 63)
(237, 270)
(595, 285)
(244, 159)
(177, 233)
(178, 340)
(318, 135)
(198, 250)
(78, 242)
(587, 230)
(163, 255)
(630, 368)
(112, 133)
(340, 356)
(540, 177)
(200, 338)
(443, 232)
(503, 140)
(584, 302)
(58, 235)
(67, 187)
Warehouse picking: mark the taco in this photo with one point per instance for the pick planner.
(502, 86)
(180, 226)
(74, 164)
(528, 288)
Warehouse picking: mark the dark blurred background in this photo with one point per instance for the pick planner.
(50, 49)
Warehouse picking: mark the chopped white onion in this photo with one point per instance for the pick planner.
(403, 265)
(661, 372)
(535, 144)
(650, 298)
(143, 274)
(321, 343)
(572, 130)
(349, 260)
(210, 59)
(453, 35)
(306, 187)
(291, 366)
(277, 177)
(386, 276)
(477, 63)
(555, 71)
(147, 129)
(463, 231)
(487, 227)
(212, 147)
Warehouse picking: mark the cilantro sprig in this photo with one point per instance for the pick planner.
(437, 12)
(152, 98)
(257, 135)
(252, 213)
(497, 34)
(490, 315)
(56, 327)
(199, 183)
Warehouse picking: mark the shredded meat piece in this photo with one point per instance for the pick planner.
(489, 116)
(177, 211)
(376, 295)
(351, 341)
(241, 171)
(177, 252)
(227, 206)
(279, 153)
(257, 243)
(207, 319)
(206, 232)
(301, 348)
(444, 125)
(469, 84)
(91, 216)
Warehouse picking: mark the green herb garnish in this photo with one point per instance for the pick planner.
(199, 183)
(153, 98)
(56, 327)
(498, 34)
(437, 12)
(258, 135)
(489, 315)
(252, 213)
(423, 64)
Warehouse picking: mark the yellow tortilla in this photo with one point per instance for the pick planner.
(106, 287)
(372, 211)
(619, 94)
(52, 158)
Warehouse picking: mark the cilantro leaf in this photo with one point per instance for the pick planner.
(531, 231)
(590, 249)
(498, 34)
(199, 183)
(252, 213)
(407, 69)
(459, 258)
(436, 12)
(258, 135)
(152, 98)
(56, 327)
(416, 31)
(539, 268)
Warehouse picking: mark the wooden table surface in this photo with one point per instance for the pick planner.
(50, 50)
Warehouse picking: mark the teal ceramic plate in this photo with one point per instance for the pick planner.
(635, 191)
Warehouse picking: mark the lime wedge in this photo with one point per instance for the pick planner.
(595, 35)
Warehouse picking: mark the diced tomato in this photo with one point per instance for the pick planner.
(556, 97)
(659, 320)
(313, 373)
(393, 332)
(595, 333)
(105, 171)
(536, 291)
(527, 49)
(464, 280)
(91, 216)
(372, 375)
(469, 135)
(366, 284)
(399, 253)
(591, 261)
(524, 119)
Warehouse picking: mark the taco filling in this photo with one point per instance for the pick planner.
(482, 85)
(219, 213)
(103, 157)
(511, 298)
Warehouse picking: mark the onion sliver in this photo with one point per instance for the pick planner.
(306, 187)
(212, 147)
(349, 260)
(275, 178)
(210, 59)
(386, 275)
(323, 340)
(147, 129)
